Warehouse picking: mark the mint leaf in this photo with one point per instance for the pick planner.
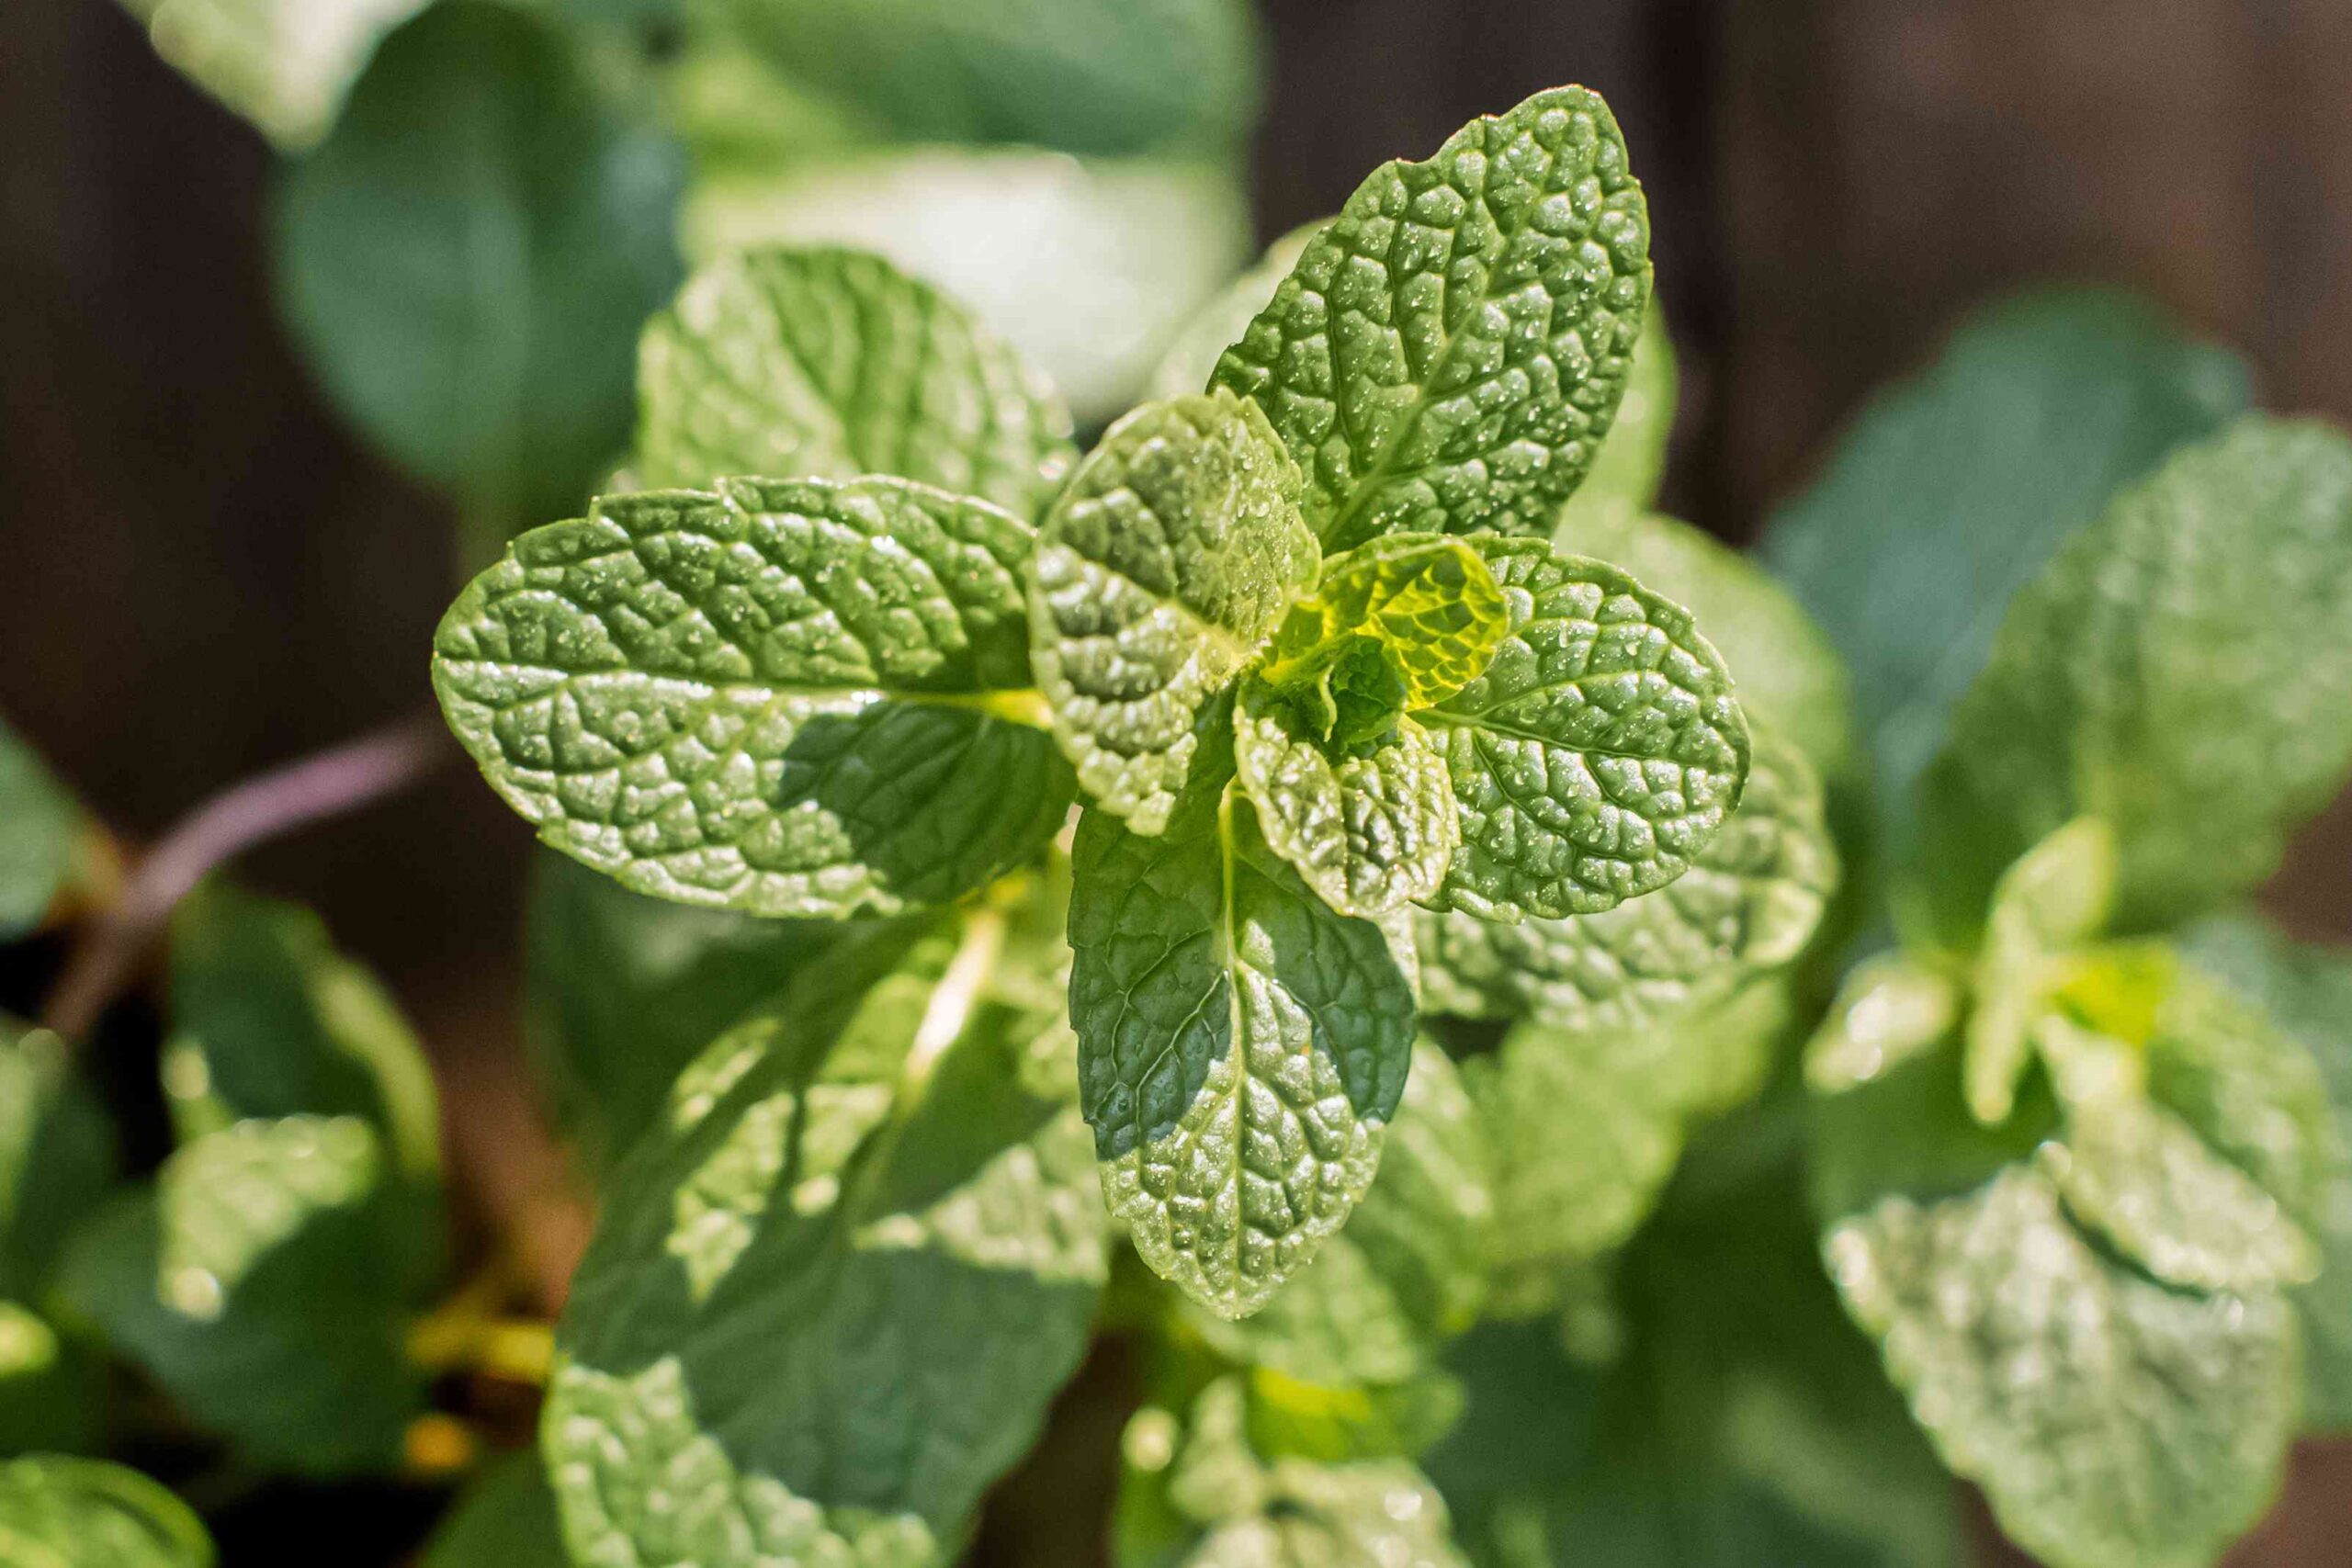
(2018, 1344)
(1203, 1497)
(56, 1155)
(1750, 902)
(1598, 752)
(261, 1283)
(1382, 1298)
(1426, 602)
(789, 1338)
(79, 1513)
(830, 364)
(2103, 695)
(1241, 1045)
(1191, 359)
(1450, 350)
(283, 64)
(1785, 670)
(39, 825)
(1370, 830)
(697, 693)
(1624, 481)
(1950, 492)
(506, 1518)
(2054, 898)
(500, 371)
(1891, 1010)
(1159, 573)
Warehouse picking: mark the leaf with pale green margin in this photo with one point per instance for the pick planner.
(1197, 1494)
(2111, 1422)
(791, 697)
(832, 1293)
(285, 66)
(467, 258)
(1159, 572)
(1241, 1045)
(1369, 830)
(261, 1282)
(2305, 990)
(2175, 670)
(2054, 899)
(1190, 361)
(1749, 904)
(1073, 74)
(56, 1155)
(1950, 490)
(1427, 601)
(506, 1519)
(830, 364)
(1890, 1010)
(38, 828)
(1450, 350)
(1624, 482)
(1599, 753)
(1783, 667)
(76, 1513)
(1379, 1301)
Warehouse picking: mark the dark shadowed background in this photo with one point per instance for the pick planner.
(205, 573)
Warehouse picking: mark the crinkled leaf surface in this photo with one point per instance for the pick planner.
(1624, 481)
(56, 1155)
(1160, 572)
(1950, 490)
(2111, 1421)
(283, 64)
(787, 697)
(1600, 751)
(1192, 355)
(1241, 1047)
(2054, 898)
(1749, 903)
(832, 1293)
(1450, 350)
(39, 825)
(76, 1513)
(2176, 671)
(467, 258)
(261, 1282)
(830, 364)
(1408, 1271)
(1427, 601)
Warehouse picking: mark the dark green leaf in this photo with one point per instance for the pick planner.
(505, 1519)
(56, 1155)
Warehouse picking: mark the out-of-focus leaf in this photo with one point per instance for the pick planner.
(283, 64)
(1950, 492)
(77, 1512)
(1890, 1010)
(1189, 360)
(1624, 482)
(505, 1519)
(467, 259)
(56, 1155)
(38, 826)
(52, 1390)
(2054, 898)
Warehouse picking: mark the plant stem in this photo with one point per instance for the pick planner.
(342, 779)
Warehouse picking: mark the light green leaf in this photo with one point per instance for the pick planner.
(1749, 904)
(786, 698)
(1428, 603)
(283, 64)
(1075, 75)
(261, 1282)
(1624, 482)
(830, 364)
(2054, 899)
(1600, 751)
(1785, 670)
(2175, 671)
(1207, 1499)
(831, 1297)
(1408, 1272)
(504, 1520)
(78, 1513)
(56, 1155)
(1950, 490)
(1369, 830)
(1890, 1010)
(1192, 355)
(1241, 1047)
(1159, 573)
(465, 261)
(38, 826)
(1450, 350)
(2111, 1422)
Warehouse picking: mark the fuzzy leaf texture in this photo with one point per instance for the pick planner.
(834, 1289)
(830, 364)
(1597, 754)
(1160, 572)
(1241, 1047)
(57, 1512)
(787, 697)
(1450, 350)
(2177, 671)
